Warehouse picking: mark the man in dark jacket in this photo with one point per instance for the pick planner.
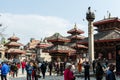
(93, 65)
(110, 74)
(43, 69)
(99, 71)
(86, 71)
(50, 67)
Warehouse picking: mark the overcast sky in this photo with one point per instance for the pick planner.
(42, 18)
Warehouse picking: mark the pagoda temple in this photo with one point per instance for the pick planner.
(75, 37)
(58, 50)
(13, 48)
(30, 48)
(41, 54)
(106, 39)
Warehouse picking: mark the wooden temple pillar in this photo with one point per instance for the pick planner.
(2, 54)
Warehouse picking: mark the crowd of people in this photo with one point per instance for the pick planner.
(35, 70)
(100, 70)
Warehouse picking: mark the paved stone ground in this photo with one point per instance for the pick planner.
(48, 78)
(53, 77)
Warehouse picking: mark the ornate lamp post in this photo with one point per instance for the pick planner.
(90, 16)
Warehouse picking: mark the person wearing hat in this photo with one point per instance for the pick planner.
(68, 74)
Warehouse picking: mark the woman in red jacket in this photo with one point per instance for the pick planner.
(68, 74)
(23, 63)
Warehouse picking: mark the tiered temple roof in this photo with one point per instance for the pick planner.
(32, 44)
(61, 49)
(58, 45)
(75, 37)
(75, 30)
(57, 37)
(43, 44)
(107, 20)
(14, 46)
(108, 24)
(108, 30)
(15, 51)
(10, 44)
(107, 38)
(13, 38)
(77, 46)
